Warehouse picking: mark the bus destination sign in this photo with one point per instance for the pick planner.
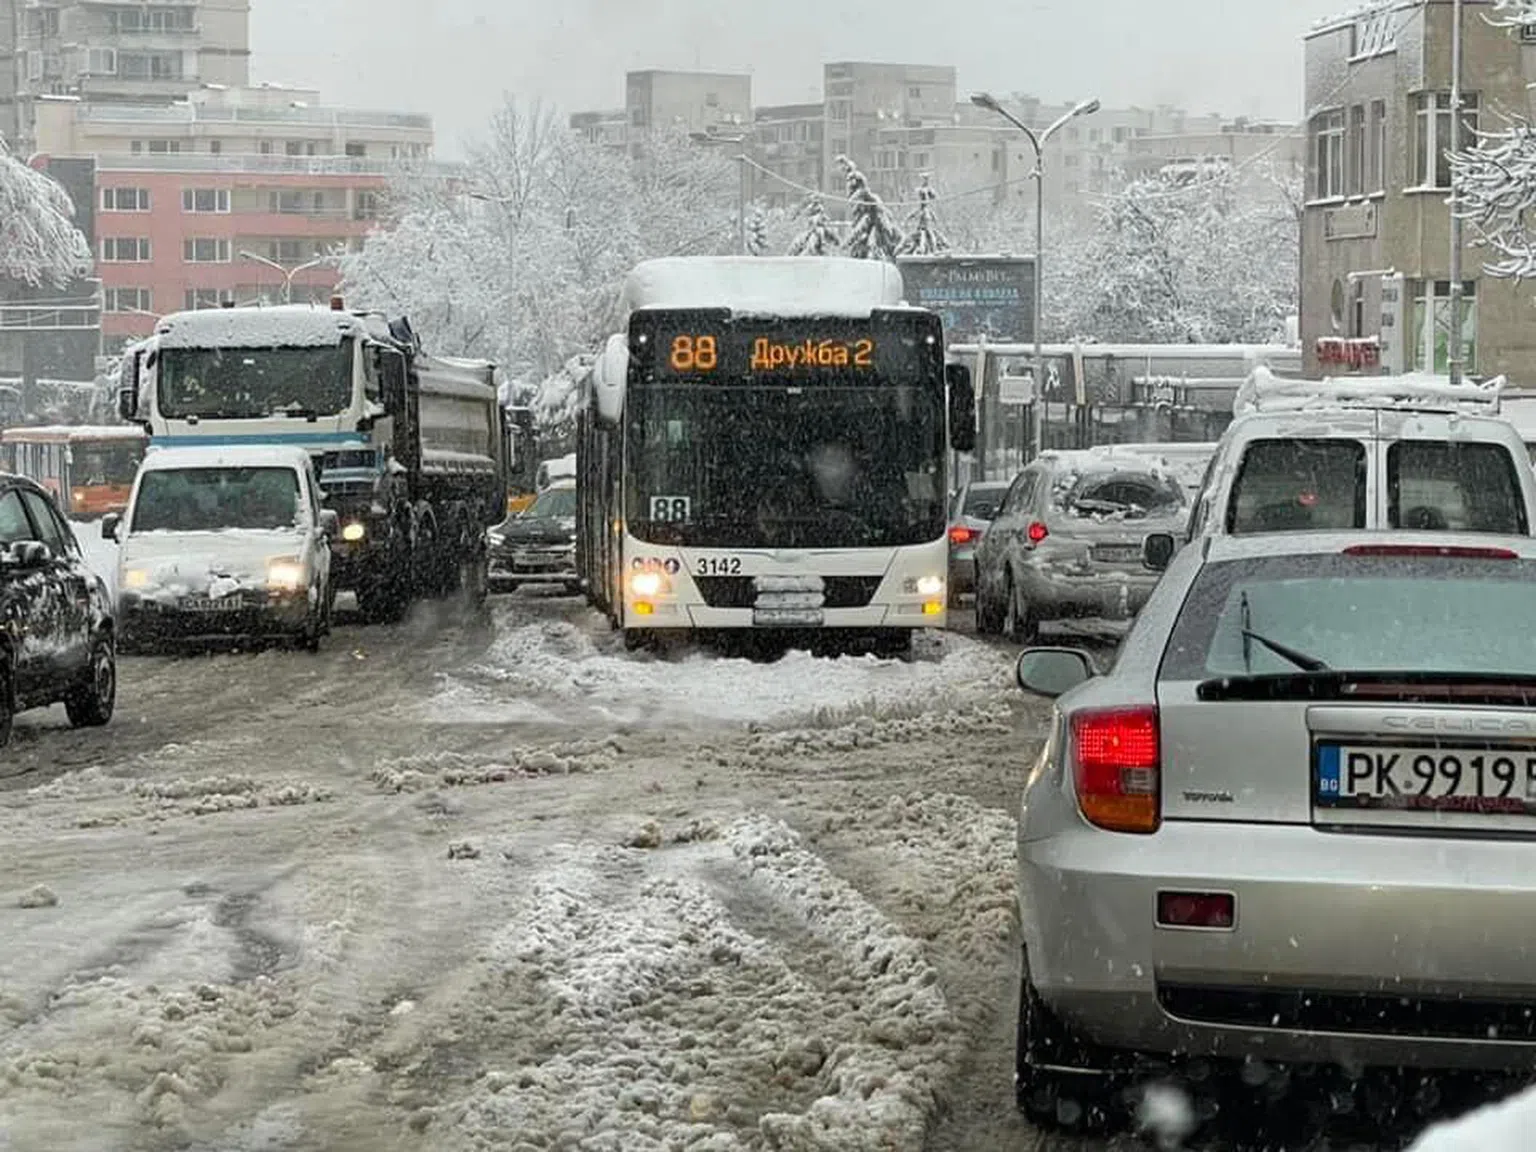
(706, 348)
(695, 355)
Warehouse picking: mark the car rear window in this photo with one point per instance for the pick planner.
(982, 503)
(1119, 493)
(1445, 486)
(1299, 485)
(1357, 614)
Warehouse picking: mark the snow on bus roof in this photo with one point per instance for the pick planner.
(286, 326)
(74, 432)
(766, 285)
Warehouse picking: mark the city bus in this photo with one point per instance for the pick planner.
(89, 470)
(766, 449)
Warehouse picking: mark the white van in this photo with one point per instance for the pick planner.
(222, 541)
(1374, 453)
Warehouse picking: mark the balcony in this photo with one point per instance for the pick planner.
(279, 165)
(186, 113)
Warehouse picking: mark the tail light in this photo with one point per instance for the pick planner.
(1442, 551)
(960, 534)
(1116, 761)
(1037, 532)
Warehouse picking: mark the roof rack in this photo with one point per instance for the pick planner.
(1263, 391)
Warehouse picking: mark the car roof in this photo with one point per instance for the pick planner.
(1270, 544)
(17, 480)
(988, 485)
(563, 482)
(225, 456)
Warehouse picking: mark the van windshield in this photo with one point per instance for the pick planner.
(217, 499)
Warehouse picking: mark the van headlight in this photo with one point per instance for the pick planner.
(285, 574)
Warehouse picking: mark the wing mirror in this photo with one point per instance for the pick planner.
(330, 523)
(110, 523)
(962, 407)
(1051, 672)
(1157, 551)
(27, 555)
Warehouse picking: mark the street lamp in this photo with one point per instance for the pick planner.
(1037, 142)
(288, 273)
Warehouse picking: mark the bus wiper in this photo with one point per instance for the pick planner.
(296, 411)
(1286, 652)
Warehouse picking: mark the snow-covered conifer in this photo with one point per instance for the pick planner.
(819, 237)
(872, 234)
(39, 243)
(925, 238)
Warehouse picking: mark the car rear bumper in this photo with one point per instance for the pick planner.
(1347, 949)
(962, 572)
(1112, 596)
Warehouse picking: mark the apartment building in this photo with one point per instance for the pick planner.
(238, 195)
(865, 102)
(1375, 244)
(127, 52)
(717, 105)
(788, 148)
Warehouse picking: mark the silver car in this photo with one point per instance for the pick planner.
(1293, 824)
(1067, 541)
(970, 515)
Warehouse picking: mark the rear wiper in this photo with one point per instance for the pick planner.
(1286, 652)
(1487, 688)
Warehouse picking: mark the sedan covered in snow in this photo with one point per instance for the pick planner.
(1293, 824)
(224, 542)
(56, 627)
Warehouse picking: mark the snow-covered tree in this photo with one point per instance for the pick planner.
(924, 238)
(819, 237)
(1203, 260)
(522, 262)
(872, 234)
(39, 243)
(757, 231)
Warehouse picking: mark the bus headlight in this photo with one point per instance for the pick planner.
(925, 586)
(354, 532)
(647, 583)
(285, 574)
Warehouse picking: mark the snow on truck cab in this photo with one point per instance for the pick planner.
(1411, 452)
(767, 446)
(410, 449)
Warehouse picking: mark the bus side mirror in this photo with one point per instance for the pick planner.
(609, 377)
(962, 407)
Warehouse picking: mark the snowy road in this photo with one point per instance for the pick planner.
(492, 883)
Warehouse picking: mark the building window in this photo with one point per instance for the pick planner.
(1430, 327)
(1355, 184)
(1357, 309)
(205, 199)
(215, 147)
(149, 65)
(286, 203)
(1432, 136)
(127, 300)
(101, 62)
(207, 298)
(357, 150)
(164, 147)
(125, 250)
(287, 250)
(1120, 135)
(1328, 155)
(367, 205)
(125, 199)
(1376, 149)
(205, 251)
(265, 148)
(914, 93)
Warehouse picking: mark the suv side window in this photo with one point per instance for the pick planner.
(1015, 498)
(1437, 485)
(14, 525)
(48, 529)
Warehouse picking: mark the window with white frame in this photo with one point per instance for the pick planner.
(201, 250)
(196, 298)
(1430, 325)
(1328, 154)
(125, 199)
(205, 199)
(1376, 149)
(1355, 182)
(127, 300)
(101, 61)
(125, 250)
(1432, 136)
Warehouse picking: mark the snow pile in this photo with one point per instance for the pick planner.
(457, 770)
(925, 722)
(766, 286)
(287, 326)
(725, 995)
(556, 659)
(1502, 1127)
(558, 398)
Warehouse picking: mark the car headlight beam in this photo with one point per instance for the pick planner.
(647, 583)
(354, 532)
(285, 574)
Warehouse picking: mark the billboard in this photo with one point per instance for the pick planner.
(977, 296)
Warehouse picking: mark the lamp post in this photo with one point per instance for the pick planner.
(1037, 142)
(1454, 363)
(288, 273)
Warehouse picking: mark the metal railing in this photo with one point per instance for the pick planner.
(284, 165)
(334, 118)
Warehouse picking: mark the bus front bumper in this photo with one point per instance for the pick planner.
(661, 615)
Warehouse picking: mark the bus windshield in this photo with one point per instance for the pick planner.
(105, 463)
(252, 383)
(786, 467)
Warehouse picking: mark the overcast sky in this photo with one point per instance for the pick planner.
(455, 59)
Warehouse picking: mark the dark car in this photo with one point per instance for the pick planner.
(56, 623)
(538, 545)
